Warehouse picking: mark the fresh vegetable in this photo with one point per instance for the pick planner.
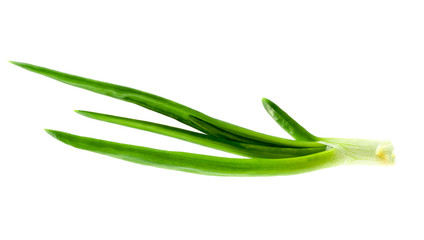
(266, 155)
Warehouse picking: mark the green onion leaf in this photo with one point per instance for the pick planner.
(220, 133)
(242, 149)
(162, 105)
(202, 164)
(287, 123)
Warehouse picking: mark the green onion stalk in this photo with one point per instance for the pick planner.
(260, 154)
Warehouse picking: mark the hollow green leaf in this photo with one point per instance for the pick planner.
(162, 105)
(287, 123)
(202, 164)
(220, 133)
(243, 149)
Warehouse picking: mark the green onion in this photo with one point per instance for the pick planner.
(266, 155)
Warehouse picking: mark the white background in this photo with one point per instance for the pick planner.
(341, 68)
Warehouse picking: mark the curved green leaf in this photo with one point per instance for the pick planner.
(161, 105)
(203, 164)
(287, 123)
(243, 149)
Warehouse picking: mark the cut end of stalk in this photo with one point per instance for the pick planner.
(385, 153)
(361, 151)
